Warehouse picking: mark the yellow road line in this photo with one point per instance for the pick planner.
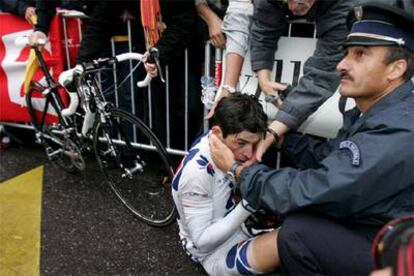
(20, 208)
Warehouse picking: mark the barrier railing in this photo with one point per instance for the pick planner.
(289, 59)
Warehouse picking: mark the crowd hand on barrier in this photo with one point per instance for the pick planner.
(270, 88)
(37, 38)
(150, 65)
(30, 15)
(214, 24)
(217, 37)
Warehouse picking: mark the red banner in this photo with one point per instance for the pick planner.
(13, 61)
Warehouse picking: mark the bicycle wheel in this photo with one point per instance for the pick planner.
(60, 149)
(139, 175)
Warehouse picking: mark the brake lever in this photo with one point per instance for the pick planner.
(153, 57)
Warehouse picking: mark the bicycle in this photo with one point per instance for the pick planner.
(122, 143)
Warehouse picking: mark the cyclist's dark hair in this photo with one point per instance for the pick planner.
(239, 112)
(396, 53)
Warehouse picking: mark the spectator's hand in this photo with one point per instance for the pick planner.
(29, 13)
(151, 68)
(222, 156)
(272, 88)
(224, 93)
(35, 39)
(216, 35)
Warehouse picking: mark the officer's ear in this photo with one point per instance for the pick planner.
(216, 130)
(397, 69)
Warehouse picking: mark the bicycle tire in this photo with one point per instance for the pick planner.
(146, 193)
(68, 155)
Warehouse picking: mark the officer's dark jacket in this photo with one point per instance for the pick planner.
(364, 177)
(320, 78)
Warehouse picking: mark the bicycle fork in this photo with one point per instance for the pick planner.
(138, 166)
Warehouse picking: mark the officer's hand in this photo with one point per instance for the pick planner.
(263, 146)
(222, 156)
(281, 129)
(37, 38)
(216, 35)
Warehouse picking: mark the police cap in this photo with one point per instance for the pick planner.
(378, 24)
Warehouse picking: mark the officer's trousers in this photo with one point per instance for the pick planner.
(312, 245)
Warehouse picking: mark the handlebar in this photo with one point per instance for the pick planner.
(67, 77)
(24, 41)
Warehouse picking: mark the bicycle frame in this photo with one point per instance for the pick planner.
(51, 96)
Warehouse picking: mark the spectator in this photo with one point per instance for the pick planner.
(345, 189)
(210, 221)
(319, 79)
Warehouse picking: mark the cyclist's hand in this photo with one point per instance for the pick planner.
(221, 155)
(29, 14)
(37, 38)
(216, 35)
(224, 93)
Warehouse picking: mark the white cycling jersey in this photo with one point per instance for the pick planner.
(209, 219)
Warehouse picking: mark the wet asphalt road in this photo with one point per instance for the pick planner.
(86, 231)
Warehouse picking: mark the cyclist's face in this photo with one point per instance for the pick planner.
(243, 144)
(300, 7)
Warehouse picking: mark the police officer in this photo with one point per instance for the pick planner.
(344, 190)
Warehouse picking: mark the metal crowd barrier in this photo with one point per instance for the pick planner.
(132, 84)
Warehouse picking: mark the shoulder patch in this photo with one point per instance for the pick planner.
(203, 162)
(356, 154)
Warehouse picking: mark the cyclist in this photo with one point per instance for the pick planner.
(209, 219)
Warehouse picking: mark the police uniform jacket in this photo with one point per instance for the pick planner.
(364, 177)
(319, 78)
